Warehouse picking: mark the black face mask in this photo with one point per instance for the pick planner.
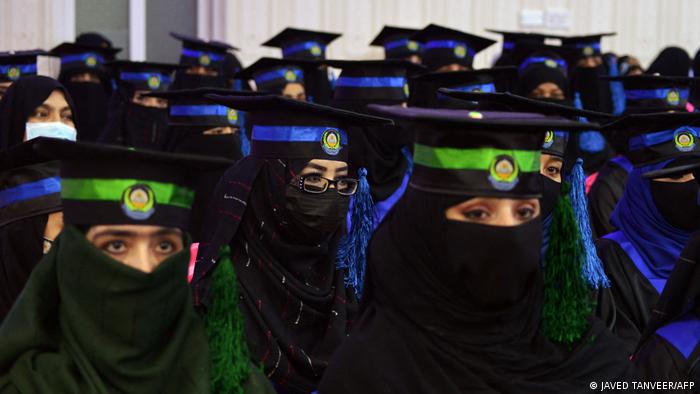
(550, 195)
(90, 101)
(315, 217)
(678, 203)
(491, 266)
(227, 146)
(146, 127)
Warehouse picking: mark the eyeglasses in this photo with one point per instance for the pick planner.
(317, 184)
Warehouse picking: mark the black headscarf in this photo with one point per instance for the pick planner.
(20, 101)
(446, 315)
(538, 73)
(671, 61)
(296, 307)
(21, 248)
(91, 102)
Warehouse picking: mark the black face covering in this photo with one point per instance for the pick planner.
(550, 195)
(194, 81)
(227, 145)
(146, 127)
(595, 92)
(91, 100)
(315, 217)
(678, 203)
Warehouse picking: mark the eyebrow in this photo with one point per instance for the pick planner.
(316, 166)
(122, 233)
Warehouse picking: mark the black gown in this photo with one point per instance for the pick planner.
(604, 195)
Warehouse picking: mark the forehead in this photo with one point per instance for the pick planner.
(56, 98)
(137, 230)
(327, 164)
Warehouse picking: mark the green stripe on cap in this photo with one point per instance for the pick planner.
(114, 189)
(473, 158)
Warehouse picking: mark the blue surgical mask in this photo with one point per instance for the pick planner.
(57, 130)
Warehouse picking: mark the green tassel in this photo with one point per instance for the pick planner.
(224, 323)
(567, 298)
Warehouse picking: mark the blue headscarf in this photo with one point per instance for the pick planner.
(658, 243)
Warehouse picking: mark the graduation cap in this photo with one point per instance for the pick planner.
(397, 42)
(29, 183)
(286, 128)
(513, 38)
(198, 52)
(272, 75)
(652, 138)
(424, 88)
(385, 80)
(443, 46)
(670, 171)
(654, 93)
(95, 40)
(477, 153)
(79, 58)
(143, 75)
(106, 184)
(584, 46)
(302, 44)
(14, 65)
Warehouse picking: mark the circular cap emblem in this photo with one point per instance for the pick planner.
(330, 142)
(412, 46)
(588, 51)
(503, 173)
(138, 202)
(290, 76)
(550, 63)
(154, 81)
(684, 140)
(476, 115)
(673, 97)
(315, 50)
(13, 73)
(460, 51)
(232, 116)
(204, 59)
(91, 60)
(548, 139)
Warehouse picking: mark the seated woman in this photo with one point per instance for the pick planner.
(285, 77)
(281, 212)
(109, 309)
(654, 217)
(455, 279)
(670, 345)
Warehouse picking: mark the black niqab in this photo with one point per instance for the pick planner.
(671, 61)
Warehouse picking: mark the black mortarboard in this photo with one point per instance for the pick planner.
(143, 75)
(190, 108)
(443, 46)
(555, 141)
(424, 88)
(198, 52)
(652, 138)
(106, 184)
(302, 44)
(292, 129)
(475, 153)
(29, 183)
(397, 42)
(272, 75)
(513, 38)
(95, 40)
(17, 64)
(379, 80)
(654, 93)
(584, 46)
(79, 58)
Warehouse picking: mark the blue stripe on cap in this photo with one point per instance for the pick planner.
(594, 45)
(294, 133)
(401, 43)
(440, 44)
(371, 82)
(659, 137)
(650, 94)
(81, 58)
(303, 46)
(198, 110)
(31, 190)
(24, 69)
(280, 73)
(143, 77)
(542, 60)
(193, 53)
(479, 87)
(508, 45)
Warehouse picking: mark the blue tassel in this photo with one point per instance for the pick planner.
(593, 270)
(616, 89)
(409, 159)
(245, 142)
(352, 251)
(578, 103)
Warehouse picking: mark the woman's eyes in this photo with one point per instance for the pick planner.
(553, 170)
(40, 114)
(476, 214)
(115, 247)
(526, 212)
(67, 116)
(165, 247)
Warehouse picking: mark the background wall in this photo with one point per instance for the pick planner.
(644, 26)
